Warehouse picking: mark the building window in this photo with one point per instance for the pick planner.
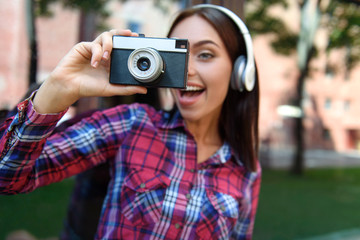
(346, 105)
(329, 72)
(327, 103)
(326, 134)
(134, 26)
(347, 60)
(347, 75)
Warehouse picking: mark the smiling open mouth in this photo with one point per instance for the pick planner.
(191, 91)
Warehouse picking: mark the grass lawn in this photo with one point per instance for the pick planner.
(40, 212)
(320, 202)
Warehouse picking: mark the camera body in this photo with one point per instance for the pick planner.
(149, 62)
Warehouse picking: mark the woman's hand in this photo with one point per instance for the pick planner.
(83, 72)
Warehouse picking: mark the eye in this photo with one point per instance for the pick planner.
(205, 55)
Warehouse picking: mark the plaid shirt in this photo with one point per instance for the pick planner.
(157, 189)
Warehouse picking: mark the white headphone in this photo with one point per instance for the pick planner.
(243, 74)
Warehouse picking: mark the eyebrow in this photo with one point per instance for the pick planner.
(203, 42)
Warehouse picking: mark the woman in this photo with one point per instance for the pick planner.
(187, 174)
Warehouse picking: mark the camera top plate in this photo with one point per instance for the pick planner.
(160, 44)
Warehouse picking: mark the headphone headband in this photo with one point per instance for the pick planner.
(247, 72)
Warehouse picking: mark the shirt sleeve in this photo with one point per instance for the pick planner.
(31, 156)
(22, 140)
(245, 224)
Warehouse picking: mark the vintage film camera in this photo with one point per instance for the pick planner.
(149, 62)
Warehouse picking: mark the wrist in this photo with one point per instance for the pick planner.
(52, 98)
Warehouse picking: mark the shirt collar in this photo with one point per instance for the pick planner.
(224, 154)
(171, 120)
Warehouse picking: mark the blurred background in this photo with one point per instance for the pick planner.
(308, 58)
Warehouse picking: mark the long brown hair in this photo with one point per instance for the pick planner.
(238, 123)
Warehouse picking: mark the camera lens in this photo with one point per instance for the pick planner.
(146, 65)
(143, 64)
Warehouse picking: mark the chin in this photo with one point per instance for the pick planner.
(190, 115)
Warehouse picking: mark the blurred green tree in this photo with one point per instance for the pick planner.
(341, 18)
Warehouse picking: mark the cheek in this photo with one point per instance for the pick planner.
(219, 92)
(220, 84)
(221, 78)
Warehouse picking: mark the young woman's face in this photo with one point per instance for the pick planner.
(209, 71)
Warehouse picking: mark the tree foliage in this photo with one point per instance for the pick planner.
(98, 6)
(42, 7)
(341, 18)
(344, 28)
(342, 21)
(260, 21)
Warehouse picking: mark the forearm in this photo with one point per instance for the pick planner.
(32, 159)
(20, 146)
(53, 98)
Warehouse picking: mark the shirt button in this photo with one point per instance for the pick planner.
(188, 196)
(222, 208)
(177, 225)
(192, 170)
(142, 185)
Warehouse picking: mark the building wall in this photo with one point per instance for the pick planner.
(337, 99)
(56, 36)
(152, 21)
(335, 127)
(13, 54)
(331, 104)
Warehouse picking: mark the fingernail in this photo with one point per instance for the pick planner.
(143, 91)
(106, 55)
(95, 64)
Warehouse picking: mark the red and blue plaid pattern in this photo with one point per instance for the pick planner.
(157, 190)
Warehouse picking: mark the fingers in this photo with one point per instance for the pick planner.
(124, 90)
(102, 45)
(123, 32)
(96, 55)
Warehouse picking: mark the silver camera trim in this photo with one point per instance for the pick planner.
(160, 44)
(156, 65)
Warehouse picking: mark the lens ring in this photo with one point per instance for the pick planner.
(147, 74)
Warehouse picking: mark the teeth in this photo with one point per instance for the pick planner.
(193, 88)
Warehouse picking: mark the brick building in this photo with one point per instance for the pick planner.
(332, 104)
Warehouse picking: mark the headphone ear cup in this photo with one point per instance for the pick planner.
(249, 77)
(237, 74)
